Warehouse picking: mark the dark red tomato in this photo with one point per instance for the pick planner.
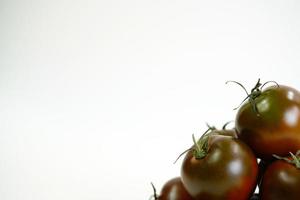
(270, 121)
(281, 181)
(174, 190)
(226, 171)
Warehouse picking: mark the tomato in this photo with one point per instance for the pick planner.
(270, 121)
(173, 190)
(219, 167)
(281, 181)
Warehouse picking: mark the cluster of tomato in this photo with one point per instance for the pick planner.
(262, 150)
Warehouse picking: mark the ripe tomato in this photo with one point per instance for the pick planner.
(281, 181)
(173, 190)
(270, 121)
(219, 167)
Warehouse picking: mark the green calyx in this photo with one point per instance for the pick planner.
(255, 92)
(200, 148)
(295, 159)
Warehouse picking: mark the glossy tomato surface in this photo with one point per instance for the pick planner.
(174, 190)
(281, 181)
(228, 171)
(275, 127)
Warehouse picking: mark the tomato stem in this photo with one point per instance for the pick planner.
(226, 124)
(197, 147)
(201, 146)
(154, 192)
(295, 159)
(269, 82)
(255, 92)
(187, 150)
(198, 152)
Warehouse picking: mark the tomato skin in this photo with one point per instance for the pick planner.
(276, 130)
(174, 190)
(280, 181)
(227, 172)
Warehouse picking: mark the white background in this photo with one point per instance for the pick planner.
(98, 98)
